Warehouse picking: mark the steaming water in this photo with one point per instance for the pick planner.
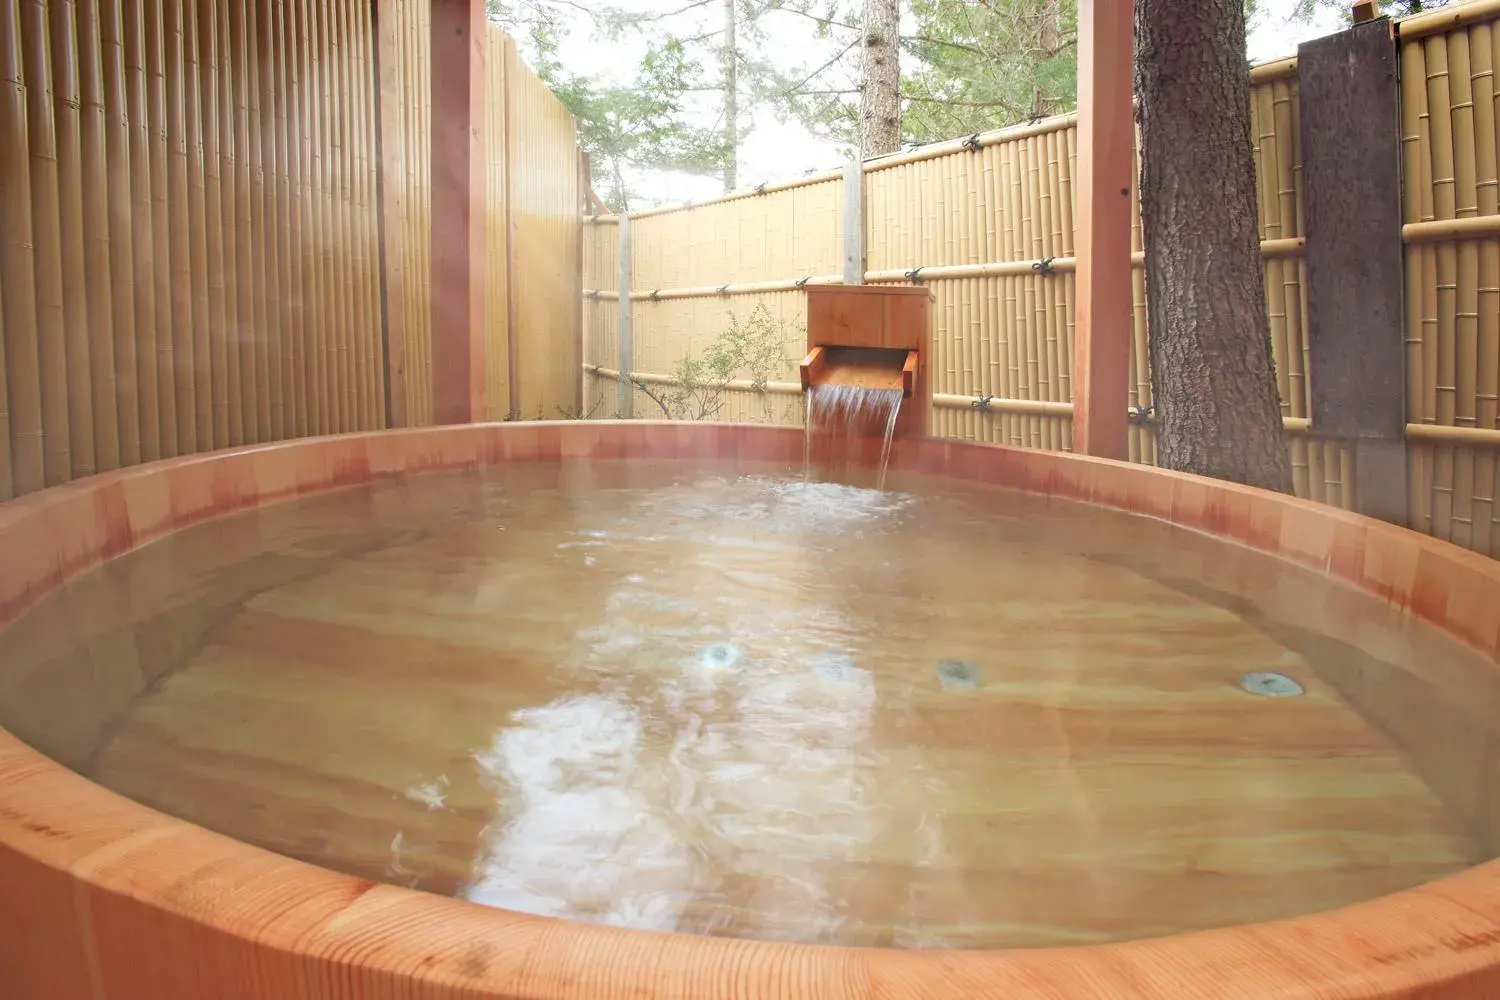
(836, 414)
(727, 701)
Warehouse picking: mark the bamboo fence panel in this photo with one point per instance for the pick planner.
(497, 230)
(1003, 331)
(1449, 99)
(601, 316)
(166, 255)
(546, 229)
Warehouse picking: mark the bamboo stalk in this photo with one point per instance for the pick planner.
(1435, 22)
(341, 90)
(1466, 325)
(152, 281)
(66, 100)
(121, 257)
(283, 251)
(1281, 69)
(366, 258)
(23, 464)
(1439, 104)
(270, 391)
(301, 87)
(260, 307)
(46, 214)
(203, 364)
(1487, 180)
(97, 270)
(180, 241)
(1447, 230)
(1485, 437)
(232, 147)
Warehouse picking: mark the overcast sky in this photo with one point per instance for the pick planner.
(776, 150)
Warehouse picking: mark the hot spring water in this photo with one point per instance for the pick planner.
(836, 416)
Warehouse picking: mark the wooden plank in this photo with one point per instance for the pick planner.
(1351, 142)
(458, 166)
(1106, 161)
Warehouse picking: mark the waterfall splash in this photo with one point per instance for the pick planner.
(837, 416)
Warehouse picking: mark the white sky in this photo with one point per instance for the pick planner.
(776, 150)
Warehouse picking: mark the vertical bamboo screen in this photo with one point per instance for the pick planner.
(793, 232)
(601, 313)
(1450, 102)
(531, 226)
(187, 203)
(545, 196)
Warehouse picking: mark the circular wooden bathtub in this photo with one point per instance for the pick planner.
(104, 898)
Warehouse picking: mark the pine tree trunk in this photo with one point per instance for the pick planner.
(731, 101)
(1212, 373)
(880, 79)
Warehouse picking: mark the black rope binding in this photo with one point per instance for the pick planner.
(760, 188)
(1044, 267)
(1036, 116)
(1141, 414)
(593, 293)
(972, 143)
(915, 274)
(655, 294)
(983, 402)
(723, 289)
(802, 282)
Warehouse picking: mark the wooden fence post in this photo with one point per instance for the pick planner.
(458, 186)
(1351, 176)
(1106, 159)
(855, 255)
(390, 180)
(627, 349)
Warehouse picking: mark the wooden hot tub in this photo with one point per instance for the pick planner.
(105, 898)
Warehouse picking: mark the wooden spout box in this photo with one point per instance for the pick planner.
(897, 318)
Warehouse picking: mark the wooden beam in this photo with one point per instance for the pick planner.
(458, 167)
(1351, 175)
(1106, 163)
(390, 139)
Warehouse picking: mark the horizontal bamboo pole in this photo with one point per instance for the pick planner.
(1281, 69)
(1033, 407)
(1010, 134)
(652, 378)
(1435, 22)
(1480, 436)
(1451, 230)
(1292, 247)
(714, 291)
(820, 177)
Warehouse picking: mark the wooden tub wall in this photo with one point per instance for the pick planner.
(104, 898)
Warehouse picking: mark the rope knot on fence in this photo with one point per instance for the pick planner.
(802, 282)
(972, 143)
(983, 402)
(1044, 267)
(724, 289)
(655, 294)
(1141, 415)
(915, 274)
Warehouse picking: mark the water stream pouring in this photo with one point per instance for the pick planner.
(865, 373)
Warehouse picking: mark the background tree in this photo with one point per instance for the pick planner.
(880, 79)
(1213, 377)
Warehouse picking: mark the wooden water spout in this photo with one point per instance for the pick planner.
(872, 337)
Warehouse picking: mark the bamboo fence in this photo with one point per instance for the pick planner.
(1450, 105)
(190, 210)
(187, 203)
(988, 224)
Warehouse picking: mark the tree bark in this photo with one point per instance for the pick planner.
(731, 101)
(880, 79)
(1212, 372)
